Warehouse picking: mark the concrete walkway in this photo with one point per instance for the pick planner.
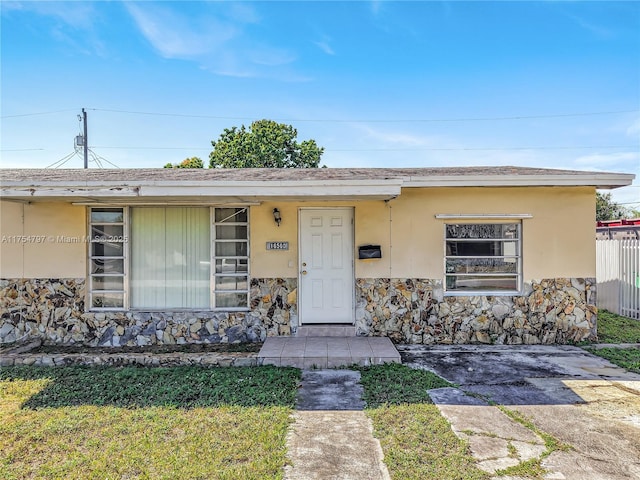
(582, 400)
(332, 438)
(327, 352)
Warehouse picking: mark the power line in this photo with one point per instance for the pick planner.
(153, 148)
(63, 160)
(99, 159)
(38, 113)
(416, 149)
(21, 149)
(417, 120)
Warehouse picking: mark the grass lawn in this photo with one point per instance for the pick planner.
(614, 328)
(628, 358)
(417, 441)
(173, 423)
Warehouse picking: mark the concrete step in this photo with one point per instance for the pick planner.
(326, 330)
(327, 352)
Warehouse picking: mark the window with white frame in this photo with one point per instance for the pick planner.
(483, 257)
(175, 258)
(231, 257)
(107, 254)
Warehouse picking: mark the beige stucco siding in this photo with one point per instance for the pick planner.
(42, 240)
(558, 241)
(371, 220)
(273, 263)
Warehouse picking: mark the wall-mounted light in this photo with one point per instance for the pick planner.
(276, 216)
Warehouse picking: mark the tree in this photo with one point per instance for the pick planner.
(193, 162)
(265, 144)
(607, 209)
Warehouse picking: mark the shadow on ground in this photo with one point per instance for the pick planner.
(179, 387)
(515, 375)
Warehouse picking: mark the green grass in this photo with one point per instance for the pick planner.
(396, 384)
(174, 423)
(614, 328)
(628, 358)
(531, 468)
(180, 387)
(417, 441)
(418, 444)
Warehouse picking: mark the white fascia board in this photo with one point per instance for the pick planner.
(481, 216)
(267, 189)
(67, 192)
(598, 180)
(254, 189)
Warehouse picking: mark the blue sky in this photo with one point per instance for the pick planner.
(378, 84)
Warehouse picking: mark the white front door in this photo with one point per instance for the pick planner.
(326, 286)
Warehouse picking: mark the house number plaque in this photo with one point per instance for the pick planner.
(277, 245)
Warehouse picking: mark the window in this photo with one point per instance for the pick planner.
(482, 258)
(169, 258)
(107, 258)
(231, 252)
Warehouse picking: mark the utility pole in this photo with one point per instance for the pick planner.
(86, 141)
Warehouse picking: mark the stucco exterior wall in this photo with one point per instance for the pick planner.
(371, 227)
(43, 274)
(558, 240)
(42, 240)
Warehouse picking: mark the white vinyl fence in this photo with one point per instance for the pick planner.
(618, 276)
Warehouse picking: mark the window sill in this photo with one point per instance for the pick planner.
(484, 293)
(167, 310)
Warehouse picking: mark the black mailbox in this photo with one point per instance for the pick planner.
(369, 251)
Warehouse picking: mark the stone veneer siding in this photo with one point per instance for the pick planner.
(54, 310)
(408, 310)
(550, 311)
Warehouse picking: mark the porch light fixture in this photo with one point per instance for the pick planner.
(276, 216)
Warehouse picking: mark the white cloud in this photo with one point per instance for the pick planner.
(325, 47)
(608, 160)
(634, 129)
(72, 23)
(242, 13)
(597, 30)
(176, 36)
(375, 6)
(269, 56)
(78, 15)
(395, 139)
(219, 42)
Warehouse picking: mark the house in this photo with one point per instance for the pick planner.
(420, 255)
(621, 229)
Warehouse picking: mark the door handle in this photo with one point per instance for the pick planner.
(303, 272)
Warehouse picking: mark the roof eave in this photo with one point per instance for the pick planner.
(206, 190)
(597, 180)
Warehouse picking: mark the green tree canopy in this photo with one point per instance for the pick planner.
(265, 144)
(193, 162)
(607, 209)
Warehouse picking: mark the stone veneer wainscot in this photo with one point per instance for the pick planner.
(549, 311)
(54, 310)
(409, 310)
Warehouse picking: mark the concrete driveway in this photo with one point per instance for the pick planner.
(585, 402)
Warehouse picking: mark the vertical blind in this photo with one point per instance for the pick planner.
(170, 257)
